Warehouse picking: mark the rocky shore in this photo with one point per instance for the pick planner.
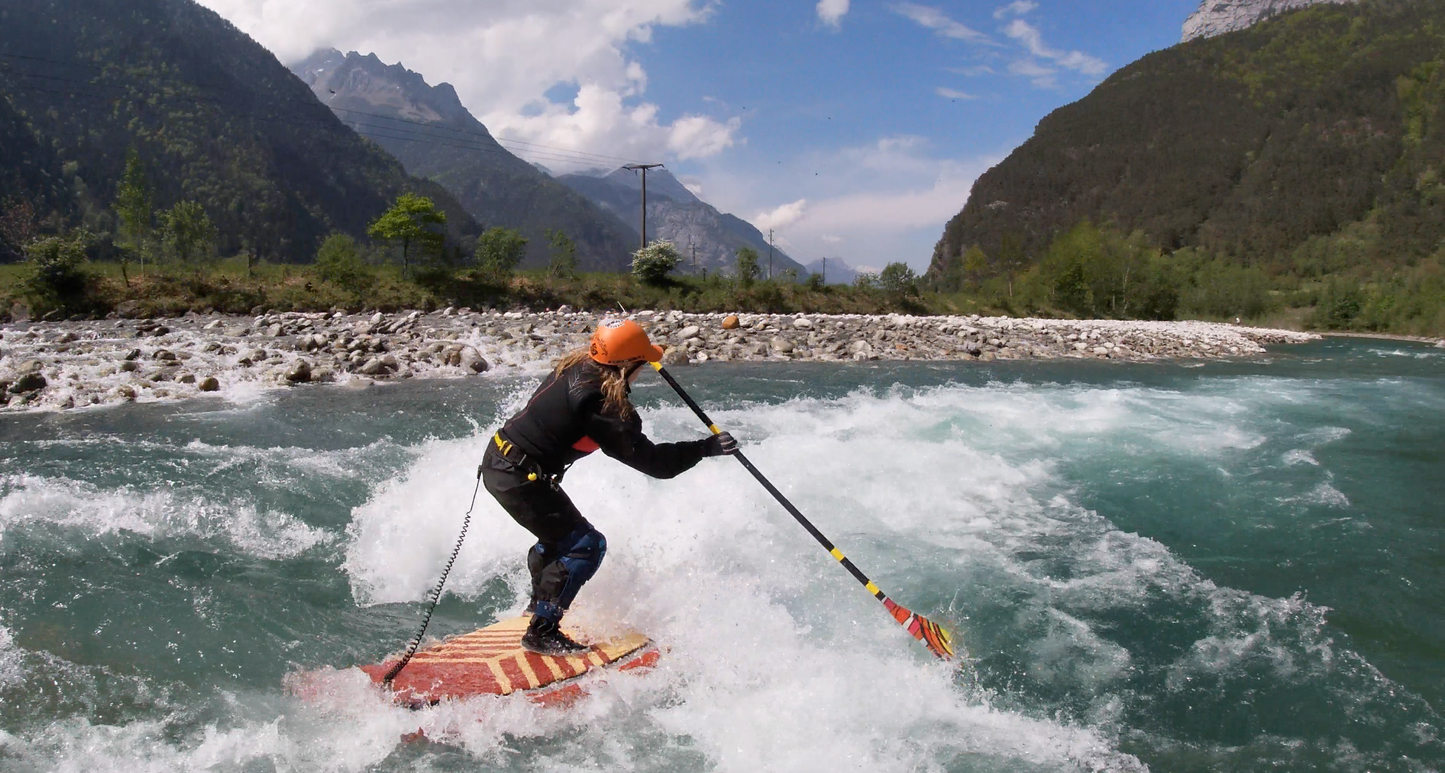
(67, 365)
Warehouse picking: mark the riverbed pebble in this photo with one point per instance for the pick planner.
(58, 365)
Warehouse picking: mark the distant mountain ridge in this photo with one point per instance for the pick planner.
(1217, 17)
(834, 270)
(675, 214)
(436, 137)
(214, 116)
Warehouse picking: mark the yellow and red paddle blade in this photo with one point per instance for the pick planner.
(934, 636)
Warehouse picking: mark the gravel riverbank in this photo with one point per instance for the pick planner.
(66, 365)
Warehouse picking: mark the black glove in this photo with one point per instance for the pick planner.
(721, 444)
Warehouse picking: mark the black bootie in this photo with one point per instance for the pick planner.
(545, 637)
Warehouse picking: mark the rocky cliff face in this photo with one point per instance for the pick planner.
(429, 130)
(1216, 17)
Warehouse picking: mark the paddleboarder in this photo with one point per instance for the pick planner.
(583, 406)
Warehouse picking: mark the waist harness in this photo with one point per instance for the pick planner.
(508, 451)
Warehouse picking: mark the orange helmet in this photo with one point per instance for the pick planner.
(621, 341)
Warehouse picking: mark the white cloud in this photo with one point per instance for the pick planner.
(877, 203)
(1042, 76)
(831, 12)
(1030, 37)
(503, 56)
(782, 216)
(1016, 8)
(971, 72)
(939, 22)
(948, 93)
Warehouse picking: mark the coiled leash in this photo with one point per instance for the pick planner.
(436, 593)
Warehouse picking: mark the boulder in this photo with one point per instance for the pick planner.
(127, 309)
(373, 366)
(210, 384)
(299, 372)
(674, 357)
(803, 323)
(19, 312)
(782, 345)
(471, 359)
(691, 331)
(730, 322)
(29, 366)
(28, 382)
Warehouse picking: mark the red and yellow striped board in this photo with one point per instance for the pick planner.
(492, 661)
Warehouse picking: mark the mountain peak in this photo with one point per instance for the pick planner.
(353, 77)
(1216, 17)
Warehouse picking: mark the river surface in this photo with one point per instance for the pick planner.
(1170, 566)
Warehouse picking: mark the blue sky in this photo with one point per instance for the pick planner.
(853, 128)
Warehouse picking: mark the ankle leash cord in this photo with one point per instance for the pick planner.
(436, 593)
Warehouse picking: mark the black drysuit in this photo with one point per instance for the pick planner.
(563, 422)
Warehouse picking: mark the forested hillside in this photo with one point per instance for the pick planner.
(1309, 146)
(27, 164)
(435, 137)
(212, 115)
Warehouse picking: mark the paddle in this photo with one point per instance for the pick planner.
(933, 636)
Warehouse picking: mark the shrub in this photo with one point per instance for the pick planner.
(747, 265)
(653, 263)
(499, 251)
(59, 280)
(339, 262)
(898, 280)
(563, 264)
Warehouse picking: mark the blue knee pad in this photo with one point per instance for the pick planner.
(580, 553)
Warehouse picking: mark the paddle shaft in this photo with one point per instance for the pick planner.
(935, 638)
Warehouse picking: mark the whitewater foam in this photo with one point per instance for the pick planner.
(158, 514)
(962, 502)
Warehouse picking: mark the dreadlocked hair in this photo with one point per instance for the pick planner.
(615, 401)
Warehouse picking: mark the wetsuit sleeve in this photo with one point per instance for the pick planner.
(622, 439)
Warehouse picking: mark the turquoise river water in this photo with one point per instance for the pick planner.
(1169, 567)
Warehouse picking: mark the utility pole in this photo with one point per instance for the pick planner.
(770, 254)
(824, 272)
(693, 247)
(644, 168)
